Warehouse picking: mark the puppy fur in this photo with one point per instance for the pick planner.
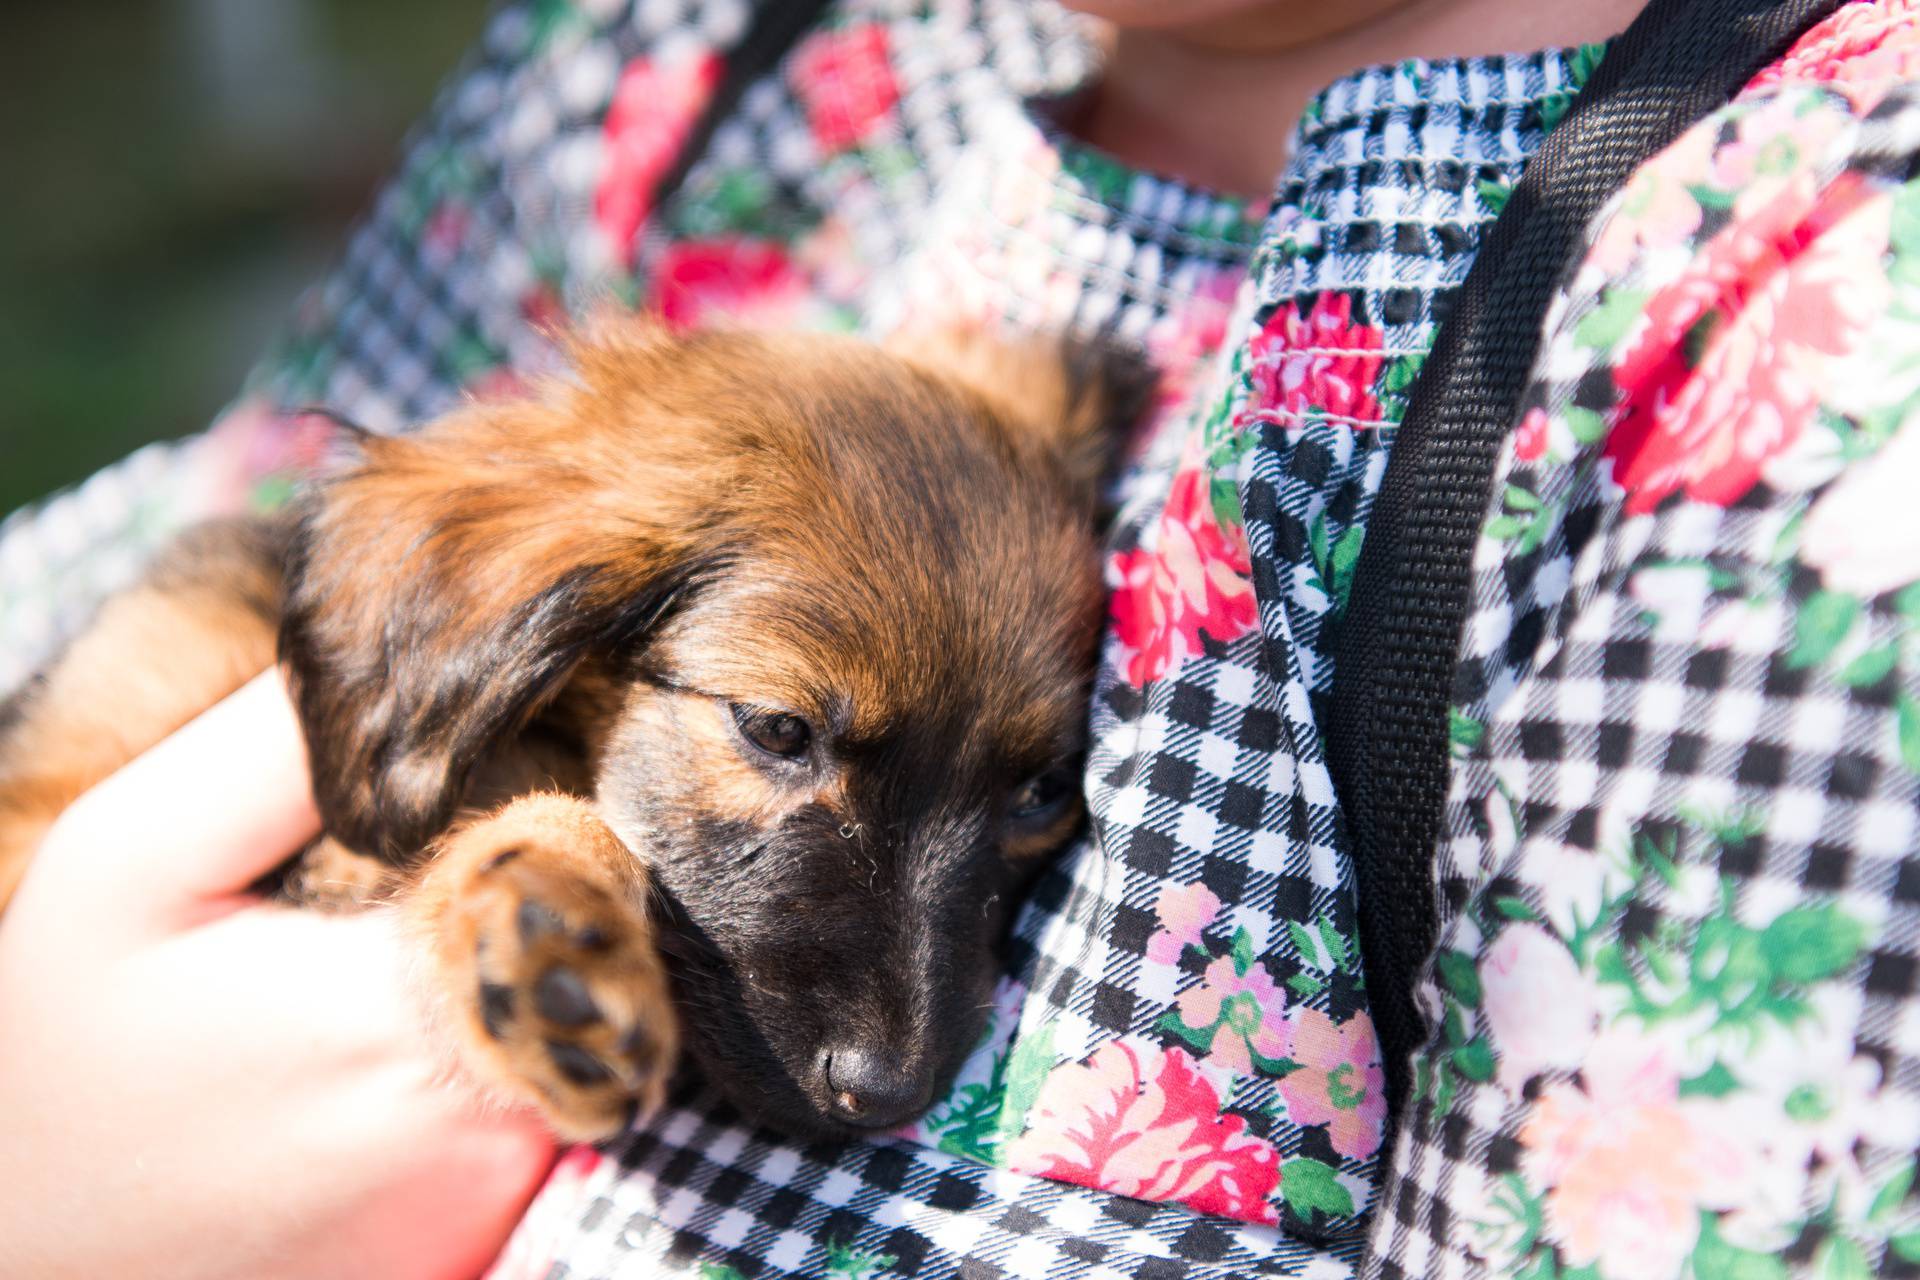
(552, 658)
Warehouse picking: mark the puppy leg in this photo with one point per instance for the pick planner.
(536, 922)
(328, 876)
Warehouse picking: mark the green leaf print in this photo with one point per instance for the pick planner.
(1841, 1259)
(1890, 1197)
(1457, 971)
(1907, 715)
(1871, 667)
(548, 19)
(1820, 624)
(1226, 502)
(1521, 1216)
(1515, 908)
(1493, 195)
(1336, 945)
(1520, 498)
(1715, 1082)
(1402, 372)
(857, 1264)
(1810, 944)
(1310, 1185)
(1708, 197)
(1463, 731)
(1027, 1069)
(1346, 556)
(1303, 942)
(1243, 949)
(1906, 1244)
(1604, 326)
(1585, 59)
(1553, 109)
(719, 1271)
(1506, 528)
(1474, 1060)
(1587, 426)
(1715, 1259)
(1903, 235)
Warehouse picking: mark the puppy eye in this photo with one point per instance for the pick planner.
(1042, 796)
(778, 733)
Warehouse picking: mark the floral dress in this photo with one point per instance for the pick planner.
(1673, 1025)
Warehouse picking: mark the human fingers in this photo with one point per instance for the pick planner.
(177, 835)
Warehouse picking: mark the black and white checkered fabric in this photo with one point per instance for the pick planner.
(1211, 775)
(967, 206)
(1653, 752)
(1208, 772)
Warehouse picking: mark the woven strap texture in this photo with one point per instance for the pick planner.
(1387, 739)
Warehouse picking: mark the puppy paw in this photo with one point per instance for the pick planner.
(547, 954)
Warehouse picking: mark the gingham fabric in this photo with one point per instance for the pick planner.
(1197, 955)
(1182, 1030)
(1674, 1026)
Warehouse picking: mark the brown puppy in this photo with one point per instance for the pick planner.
(743, 674)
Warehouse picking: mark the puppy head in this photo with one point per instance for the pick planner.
(847, 601)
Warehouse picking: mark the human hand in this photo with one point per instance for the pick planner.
(194, 1083)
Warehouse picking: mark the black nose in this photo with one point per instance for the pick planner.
(873, 1088)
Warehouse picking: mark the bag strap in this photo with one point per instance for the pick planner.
(1399, 643)
(777, 26)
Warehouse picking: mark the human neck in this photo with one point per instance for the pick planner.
(1215, 104)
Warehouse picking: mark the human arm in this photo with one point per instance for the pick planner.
(198, 1084)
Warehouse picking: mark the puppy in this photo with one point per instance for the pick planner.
(738, 675)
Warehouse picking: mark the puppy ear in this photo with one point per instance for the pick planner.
(1068, 399)
(444, 587)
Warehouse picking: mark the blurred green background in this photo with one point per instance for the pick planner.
(176, 171)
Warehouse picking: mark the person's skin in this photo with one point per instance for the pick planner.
(198, 1085)
(193, 1083)
(1208, 90)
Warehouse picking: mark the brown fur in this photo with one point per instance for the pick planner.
(551, 604)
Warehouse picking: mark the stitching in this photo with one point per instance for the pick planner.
(1281, 417)
(1287, 353)
(1085, 205)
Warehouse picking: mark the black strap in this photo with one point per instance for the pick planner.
(777, 26)
(1399, 643)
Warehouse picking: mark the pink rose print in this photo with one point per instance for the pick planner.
(1247, 1014)
(1340, 1082)
(497, 383)
(1861, 534)
(734, 278)
(1181, 342)
(1658, 209)
(541, 307)
(1185, 912)
(262, 451)
(1769, 307)
(441, 237)
(1530, 440)
(1863, 50)
(1144, 1122)
(1626, 1166)
(1320, 360)
(1196, 582)
(1538, 1007)
(846, 84)
(654, 106)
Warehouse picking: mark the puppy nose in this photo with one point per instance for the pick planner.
(873, 1088)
